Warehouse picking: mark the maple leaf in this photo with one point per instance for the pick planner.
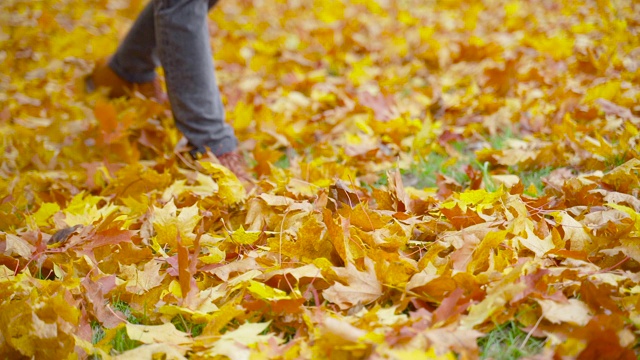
(153, 334)
(336, 233)
(624, 177)
(136, 180)
(377, 139)
(169, 223)
(420, 354)
(44, 213)
(230, 189)
(205, 186)
(215, 256)
(198, 307)
(363, 287)
(150, 351)
(39, 325)
(311, 242)
(343, 329)
(242, 237)
(83, 210)
(532, 242)
(306, 271)
(491, 304)
(423, 277)
(241, 266)
(15, 245)
(95, 292)
(141, 281)
(113, 128)
(573, 311)
(451, 338)
(233, 344)
(266, 292)
(575, 232)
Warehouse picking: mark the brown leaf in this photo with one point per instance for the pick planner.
(64, 234)
(15, 245)
(96, 295)
(363, 287)
(462, 341)
(449, 307)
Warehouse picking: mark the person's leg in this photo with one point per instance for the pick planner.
(136, 59)
(182, 38)
(133, 67)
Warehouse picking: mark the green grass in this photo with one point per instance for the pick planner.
(98, 332)
(507, 342)
(423, 173)
(534, 177)
(283, 162)
(616, 159)
(486, 176)
(498, 141)
(187, 326)
(124, 308)
(528, 178)
(382, 181)
(121, 342)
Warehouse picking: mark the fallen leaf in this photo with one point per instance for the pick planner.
(141, 281)
(573, 311)
(363, 287)
(151, 351)
(157, 334)
(14, 245)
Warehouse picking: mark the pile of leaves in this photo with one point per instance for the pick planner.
(353, 245)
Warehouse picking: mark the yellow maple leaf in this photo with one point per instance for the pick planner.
(243, 237)
(141, 281)
(169, 222)
(153, 334)
(230, 188)
(44, 213)
(233, 344)
(265, 292)
(572, 311)
(153, 351)
(214, 256)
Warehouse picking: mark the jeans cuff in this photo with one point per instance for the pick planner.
(226, 146)
(132, 78)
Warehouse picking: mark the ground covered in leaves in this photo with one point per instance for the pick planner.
(432, 175)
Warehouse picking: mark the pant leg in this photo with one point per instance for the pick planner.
(136, 59)
(182, 37)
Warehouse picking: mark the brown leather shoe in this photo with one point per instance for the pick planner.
(104, 76)
(234, 161)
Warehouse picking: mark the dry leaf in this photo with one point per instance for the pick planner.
(155, 334)
(362, 287)
(573, 311)
(140, 281)
(465, 160)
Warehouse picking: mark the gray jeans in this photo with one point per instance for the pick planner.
(175, 34)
